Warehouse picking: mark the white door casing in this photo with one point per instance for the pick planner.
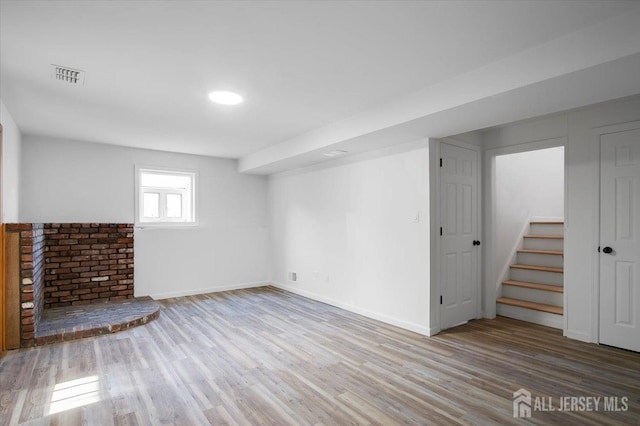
(619, 305)
(459, 218)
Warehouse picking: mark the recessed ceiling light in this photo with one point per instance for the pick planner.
(335, 153)
(225, 98)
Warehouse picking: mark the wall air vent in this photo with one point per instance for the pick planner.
(67, 75)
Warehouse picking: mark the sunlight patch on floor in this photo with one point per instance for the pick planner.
(75, 393)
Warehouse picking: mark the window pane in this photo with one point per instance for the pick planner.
(164, 180)
(168, 197)
(174, 205)
(151, 204)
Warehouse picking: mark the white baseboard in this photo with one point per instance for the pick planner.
(204, 290)
(578, 335)
(433, 331)
(425, 331)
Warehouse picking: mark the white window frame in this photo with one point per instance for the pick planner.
(189, 197)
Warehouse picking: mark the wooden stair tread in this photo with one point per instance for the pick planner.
(539, 268)
(549, 237)
(537, 251)
(535, 286)
(531, 305)
(552, 222)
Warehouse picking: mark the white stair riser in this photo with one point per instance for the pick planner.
(540, 260)
(546, 229)
(532, 295)
(529, 315)
(543, 244)
(536, 276)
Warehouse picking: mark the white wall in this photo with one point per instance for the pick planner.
(582, 174)
(11, 143)
(69, 181)
(528, 184)
(348, 229)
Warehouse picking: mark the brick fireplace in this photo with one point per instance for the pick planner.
(70, 264)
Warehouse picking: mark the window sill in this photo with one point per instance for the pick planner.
(145, 226)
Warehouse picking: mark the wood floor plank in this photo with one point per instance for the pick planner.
(265, 356)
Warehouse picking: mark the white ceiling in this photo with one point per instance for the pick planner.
(305, 68)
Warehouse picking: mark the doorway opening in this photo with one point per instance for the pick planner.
(524, 275)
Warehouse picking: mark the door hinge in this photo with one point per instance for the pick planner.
(441, 300)
(441, 162)
(441, 231)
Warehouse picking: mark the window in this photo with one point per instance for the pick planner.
(165, 197)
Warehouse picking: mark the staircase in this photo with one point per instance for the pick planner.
(534, 290)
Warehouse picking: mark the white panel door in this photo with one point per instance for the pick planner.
(620, 239)
(459, 267)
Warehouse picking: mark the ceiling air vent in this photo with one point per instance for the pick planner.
(67, 75)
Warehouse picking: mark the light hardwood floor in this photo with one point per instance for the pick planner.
(265, 356)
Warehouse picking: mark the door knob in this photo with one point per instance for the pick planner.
(476, 242)
(607, 250)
